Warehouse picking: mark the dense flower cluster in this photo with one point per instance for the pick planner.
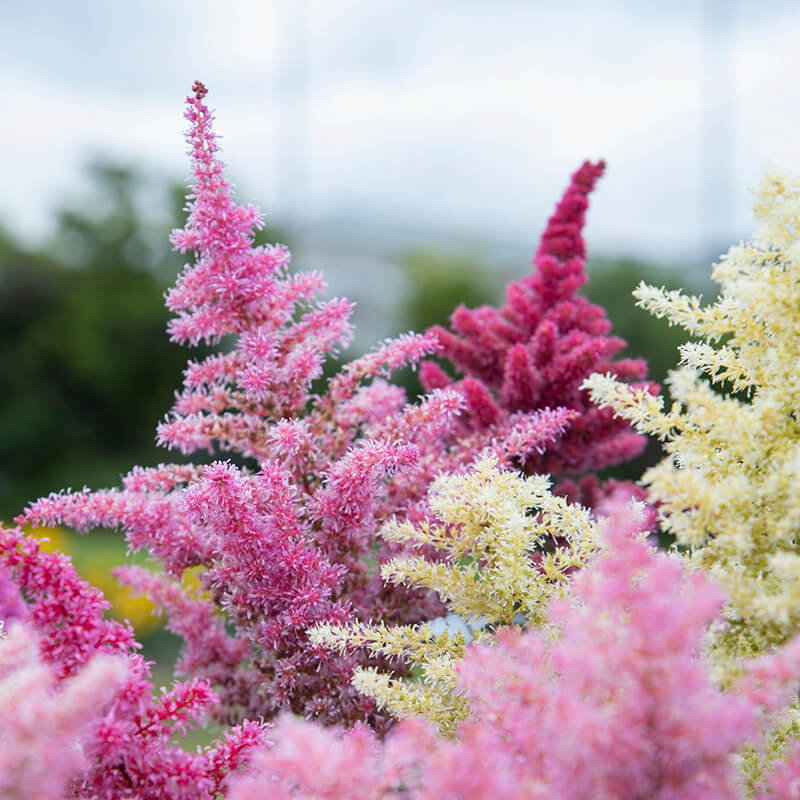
(536, 350)
(728, 487)
(84, 677)
(494, 533)
(291, 542)
(361, 518)
(614, 707)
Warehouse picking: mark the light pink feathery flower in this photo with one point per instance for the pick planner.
(619, 705)
(44, 723)
(12, 606)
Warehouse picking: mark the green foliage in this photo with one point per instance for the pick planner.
(438, 282)
(611, 282)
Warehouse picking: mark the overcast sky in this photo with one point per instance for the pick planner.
(464, 118)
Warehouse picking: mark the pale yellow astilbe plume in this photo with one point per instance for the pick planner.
(508, 546)
(729, 487)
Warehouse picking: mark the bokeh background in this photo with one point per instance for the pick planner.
(412, 150)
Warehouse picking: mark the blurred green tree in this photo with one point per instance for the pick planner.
(439, 281)
(86, 369)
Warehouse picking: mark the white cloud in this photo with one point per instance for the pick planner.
(459, 115)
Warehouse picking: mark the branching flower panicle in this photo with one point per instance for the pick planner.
(728, 488)
(505, 546)
(618, 706)
(535, 350)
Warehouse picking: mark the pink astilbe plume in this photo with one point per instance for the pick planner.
(44, 724)
(235, 288)
(128, 748)
(289, 540)
(618, 706)
(12, 606)
(535, 350)
(66, 612)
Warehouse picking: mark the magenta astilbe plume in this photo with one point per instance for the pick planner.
(534, 351)
(209, 651)
(222, 293)
(273, 584)
(128, 748)
(66, 612)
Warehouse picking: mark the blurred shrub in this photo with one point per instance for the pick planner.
(86, 367)
(439, 281)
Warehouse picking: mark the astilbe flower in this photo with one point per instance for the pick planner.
(292, 542)
(44, 723)
(534, 352)
(12, 606)
(728, 488)
(493, 530)
(127, 749)
(618, 705)
(784, 782)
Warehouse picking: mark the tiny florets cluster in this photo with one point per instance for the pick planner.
(67, 674)
(504, 546)
(290, 540)
(728, 489)
(369, 558)
(619, 705)
(536, 350)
